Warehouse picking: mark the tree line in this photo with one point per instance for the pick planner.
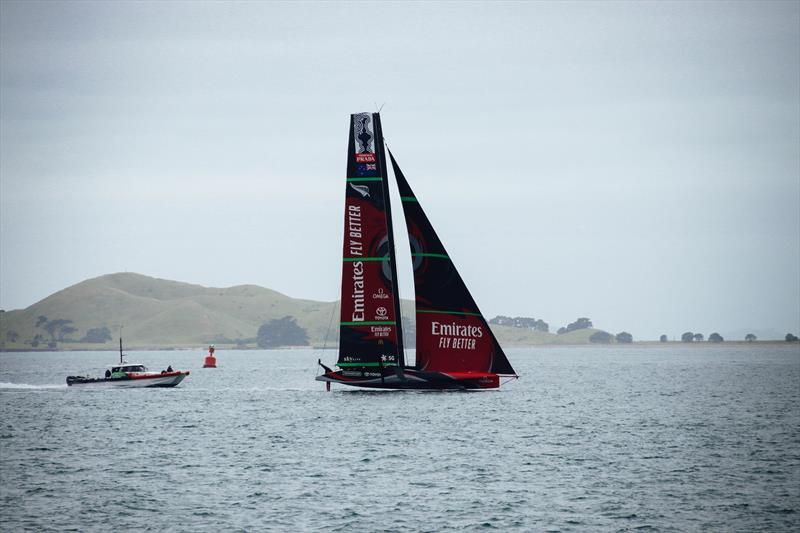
(603, 337)
(59, 330)
(537, 324)
(716, 337)
(286, 332)
(521, 322)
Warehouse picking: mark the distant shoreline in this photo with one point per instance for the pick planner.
(234, 348)
(165, 315)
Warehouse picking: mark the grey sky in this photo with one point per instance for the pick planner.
(636, 163)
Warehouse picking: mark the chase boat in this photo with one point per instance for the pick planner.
(130, 375)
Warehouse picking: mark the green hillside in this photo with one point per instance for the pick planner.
(162, 313)
(511, 336)
(159, 313)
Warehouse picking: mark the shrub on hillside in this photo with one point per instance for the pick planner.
(601, 337)
(97, 335)
(581, 323)
(521, 322)
(281, 332)
(624, 337)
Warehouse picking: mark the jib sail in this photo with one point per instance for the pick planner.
(452, 335)
(369, 333)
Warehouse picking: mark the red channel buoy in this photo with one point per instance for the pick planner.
(210, 361)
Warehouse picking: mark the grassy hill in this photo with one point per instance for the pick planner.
(159, 313)
(511, 336)
(163, 313)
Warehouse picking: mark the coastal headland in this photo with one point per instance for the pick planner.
(152, 313)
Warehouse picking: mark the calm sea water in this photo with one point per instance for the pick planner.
(590, 439)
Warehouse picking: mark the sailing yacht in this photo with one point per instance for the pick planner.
(456, 349)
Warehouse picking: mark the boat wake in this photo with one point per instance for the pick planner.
(27, 386)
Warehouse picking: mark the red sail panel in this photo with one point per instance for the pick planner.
(447, 342)
(369, 323)
(452, 334)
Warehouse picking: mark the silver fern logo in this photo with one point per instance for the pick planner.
(363, 190)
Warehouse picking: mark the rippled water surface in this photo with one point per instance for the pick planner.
(664, 438)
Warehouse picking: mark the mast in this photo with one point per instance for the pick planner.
(120, 350)
(369, 337)
(390, 233)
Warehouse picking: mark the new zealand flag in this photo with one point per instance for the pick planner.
(366, 169)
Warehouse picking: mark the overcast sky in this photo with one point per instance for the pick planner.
(637, 163)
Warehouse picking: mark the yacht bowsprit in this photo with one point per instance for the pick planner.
(456, 349)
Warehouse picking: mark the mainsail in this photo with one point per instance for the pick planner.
(452, 334)
(370, 312)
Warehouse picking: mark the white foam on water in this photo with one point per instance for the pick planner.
(5, 385)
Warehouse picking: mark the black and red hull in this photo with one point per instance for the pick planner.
(411, 379)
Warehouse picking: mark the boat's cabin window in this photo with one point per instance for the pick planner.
(129, 368)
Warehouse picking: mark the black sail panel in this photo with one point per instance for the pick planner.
(369, 335)
(452, 334)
